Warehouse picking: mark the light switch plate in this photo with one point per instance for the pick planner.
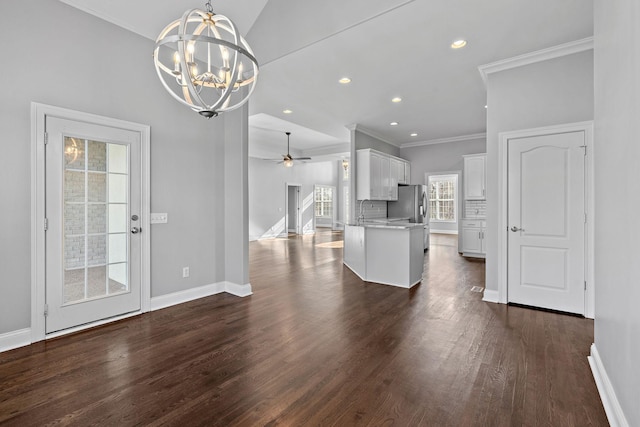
(159, 218)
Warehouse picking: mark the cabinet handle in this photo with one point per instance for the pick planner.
(479, 235)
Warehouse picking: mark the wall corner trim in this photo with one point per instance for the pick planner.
(238, 290)
(490, 296)
(608, 396)
(15, 339)
(536, 56)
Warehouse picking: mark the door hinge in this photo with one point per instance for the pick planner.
(46, 310)
(585, 217)
(46, 138)
(584, 147)
(585, 285)
(46, 224)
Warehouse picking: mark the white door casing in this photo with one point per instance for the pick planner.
(546, 221)
(43, 115)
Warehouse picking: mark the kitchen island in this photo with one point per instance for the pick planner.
(386, 253)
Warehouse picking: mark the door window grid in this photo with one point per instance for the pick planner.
(442, 198)
(91, 220)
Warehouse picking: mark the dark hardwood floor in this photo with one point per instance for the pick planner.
(313, 346)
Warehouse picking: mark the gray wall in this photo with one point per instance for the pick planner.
(444, 157)
(69, 59)
(267, 193)
(542, 94)
(362, 141)
(617, 177)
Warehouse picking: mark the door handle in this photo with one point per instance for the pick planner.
(135, 230)
(514, 229)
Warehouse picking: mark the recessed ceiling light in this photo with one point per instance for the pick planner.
(394, 123)
(485, 105)
(287, 111)
(396, 99)
(345, 80)
(414, 134)
(457, 44)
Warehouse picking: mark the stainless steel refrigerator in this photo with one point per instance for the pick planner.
(412, 203)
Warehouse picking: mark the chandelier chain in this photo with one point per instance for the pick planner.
(208, 6)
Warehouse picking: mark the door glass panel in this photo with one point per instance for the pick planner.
(117, 218)
(117, 248)
(96, 240)
(74, 153)
(117, 188)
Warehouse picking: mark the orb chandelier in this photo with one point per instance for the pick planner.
(204, 62)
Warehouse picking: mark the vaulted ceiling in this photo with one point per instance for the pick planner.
(389, 48)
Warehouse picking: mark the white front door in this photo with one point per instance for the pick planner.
(93, 209)
(546, 220)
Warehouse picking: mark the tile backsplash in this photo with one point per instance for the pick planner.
(475, 208)
(372, 209)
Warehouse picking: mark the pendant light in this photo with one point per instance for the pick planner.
(204, 62)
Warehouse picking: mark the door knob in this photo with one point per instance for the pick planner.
(135, 230)
(514, 229)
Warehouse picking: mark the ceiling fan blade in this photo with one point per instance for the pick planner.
(301, 158)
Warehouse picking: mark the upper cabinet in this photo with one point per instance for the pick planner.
(475, 177)
(378, 175)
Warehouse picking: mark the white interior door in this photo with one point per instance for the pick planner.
(93, 208)
(546, 220)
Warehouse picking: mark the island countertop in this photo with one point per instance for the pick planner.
(386, 253)
(387, 224)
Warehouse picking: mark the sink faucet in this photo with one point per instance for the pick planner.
(361, 216)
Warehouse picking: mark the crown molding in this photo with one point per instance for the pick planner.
(341, 148)
(369, 132)
(536, 56)
(445, 140)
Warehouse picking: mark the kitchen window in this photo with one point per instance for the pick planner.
(442, 198)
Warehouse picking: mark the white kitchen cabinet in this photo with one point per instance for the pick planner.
(378, 175)
(475, 176)
(407, 173)
(369, 184)
(473, 238)
(389, 255)
(396, 170)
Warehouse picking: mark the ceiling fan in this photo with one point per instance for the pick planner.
(287, 159)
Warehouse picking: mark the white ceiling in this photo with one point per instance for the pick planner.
(387, 47)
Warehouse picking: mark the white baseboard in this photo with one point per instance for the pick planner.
(15, 339)
(607, 393)
(238, 290)
(164, 301)
(490, 295)
(180, 297)
(436, 231)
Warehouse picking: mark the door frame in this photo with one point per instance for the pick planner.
(503, 138)
(286, 208)
(39, 112)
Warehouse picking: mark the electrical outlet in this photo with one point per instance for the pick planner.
(185, 272)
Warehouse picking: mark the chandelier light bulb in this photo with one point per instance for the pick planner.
(203, 40)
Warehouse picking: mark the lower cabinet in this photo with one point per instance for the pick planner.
(473, 243)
